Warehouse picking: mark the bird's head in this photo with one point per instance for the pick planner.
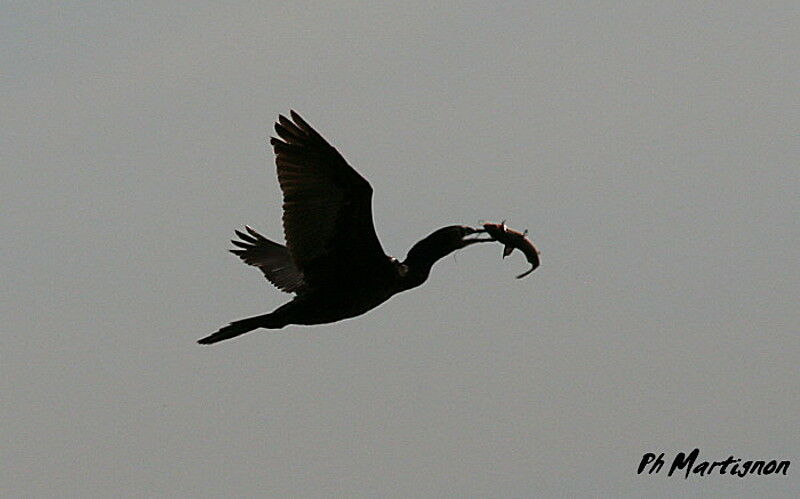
(454, 236)
(444, 241)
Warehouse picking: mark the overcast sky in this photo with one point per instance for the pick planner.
(651, 149)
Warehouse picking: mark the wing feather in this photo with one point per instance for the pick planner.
(271, 258)
(327, 205)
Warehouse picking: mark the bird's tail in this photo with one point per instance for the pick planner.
(237, 328)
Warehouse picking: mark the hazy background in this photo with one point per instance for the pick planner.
(652, 151)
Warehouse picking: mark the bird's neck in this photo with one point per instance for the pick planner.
(413, 277)
(420, 260)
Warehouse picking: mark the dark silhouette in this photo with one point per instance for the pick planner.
(512, 239)
(332, 260)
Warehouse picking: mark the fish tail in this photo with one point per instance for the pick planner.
(526, 273)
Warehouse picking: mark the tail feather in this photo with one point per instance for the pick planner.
(238, 328)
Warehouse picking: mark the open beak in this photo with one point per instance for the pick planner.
(468, 231)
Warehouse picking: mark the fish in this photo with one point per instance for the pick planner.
(512, 240)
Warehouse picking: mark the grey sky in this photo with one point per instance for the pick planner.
(650, 148)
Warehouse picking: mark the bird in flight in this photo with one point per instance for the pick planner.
(333, 261)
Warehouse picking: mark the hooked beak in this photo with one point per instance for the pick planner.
(468, 231)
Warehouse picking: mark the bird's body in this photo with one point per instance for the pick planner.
(332, 303)
(333, 260)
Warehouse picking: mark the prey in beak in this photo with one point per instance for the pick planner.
(511, 240)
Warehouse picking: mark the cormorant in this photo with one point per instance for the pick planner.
(333, 260)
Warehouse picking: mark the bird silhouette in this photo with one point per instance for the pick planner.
(333, 261)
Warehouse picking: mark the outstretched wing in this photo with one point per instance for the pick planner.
(327, 206)
(272, 258)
